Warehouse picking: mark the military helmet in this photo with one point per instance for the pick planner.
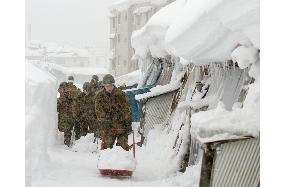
(62, 85)
(86, 86)
(95, 77)
(108, 79)
(70, 78)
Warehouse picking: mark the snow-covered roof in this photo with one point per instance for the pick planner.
(143, 9)
(158, 90)
(212, 28)
(129, 79)
(34, 44)
(38, 52)
(125, 4)
(79, 70)
(63, 52)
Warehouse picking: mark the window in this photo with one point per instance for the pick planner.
(118, 19)
(112, 43)
(118, 38)
(113, 63)
(124, 63)
(147, 16)
(113, 22)
(125, 17)
(138, 20)
(118, 60)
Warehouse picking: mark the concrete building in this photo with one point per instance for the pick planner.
(126, 17)
(53, 53)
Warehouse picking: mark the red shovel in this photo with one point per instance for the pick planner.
(115, 172)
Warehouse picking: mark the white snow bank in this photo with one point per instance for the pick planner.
(116, 158)
(200, 31)
(86, 144)
(129, 79)
(41, 119)
(245, 56)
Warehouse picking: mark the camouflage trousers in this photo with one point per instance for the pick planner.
(110, 137)
(87, 125)
(68, 128)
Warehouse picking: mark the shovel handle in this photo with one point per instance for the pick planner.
(133, 144)
(103, 139)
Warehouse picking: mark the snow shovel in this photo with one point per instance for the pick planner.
(115, 172)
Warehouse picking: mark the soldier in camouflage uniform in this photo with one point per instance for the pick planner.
(113, 114)
(60, 106)
(86, 110)
(95, 85)
(66, 106)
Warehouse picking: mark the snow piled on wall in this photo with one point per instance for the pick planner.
(129, 79)
(245, 56)
(151, 37)
(220, 124)
(41, 120)
(200, 31)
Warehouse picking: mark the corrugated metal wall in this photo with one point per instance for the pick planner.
(236, 164)
(153, 72)
(166, 74)
(195, 148)
(226, 84)
(157, 111)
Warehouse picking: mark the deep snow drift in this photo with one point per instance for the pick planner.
(199, 31)
(204, 32)
(41, 120)
(50, 163)
(185, 29)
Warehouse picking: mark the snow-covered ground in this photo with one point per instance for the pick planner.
(184, 29)
(50, 163)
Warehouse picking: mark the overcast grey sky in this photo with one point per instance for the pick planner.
(75, 22)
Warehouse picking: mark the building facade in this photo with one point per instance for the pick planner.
(124, 19)
(53, 53)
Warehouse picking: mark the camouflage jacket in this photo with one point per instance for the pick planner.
(85, 105)
(113, 108)
(94, 88)
(66, 101)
